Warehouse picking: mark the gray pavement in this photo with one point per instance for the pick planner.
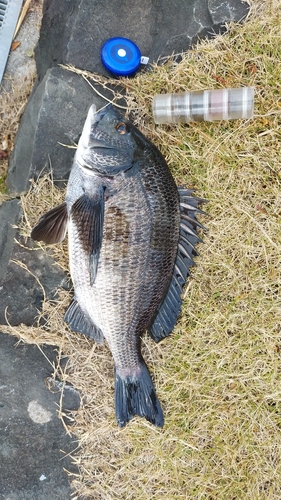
(33, 442)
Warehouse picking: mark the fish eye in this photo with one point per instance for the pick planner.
(121, 128)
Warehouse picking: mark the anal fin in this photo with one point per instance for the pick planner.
(79, 322)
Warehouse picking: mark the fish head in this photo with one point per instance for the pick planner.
(107, 145)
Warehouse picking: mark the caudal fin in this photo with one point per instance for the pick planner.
(135, 395)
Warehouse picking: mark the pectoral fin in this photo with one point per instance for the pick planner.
(87, 213)
(51, 227)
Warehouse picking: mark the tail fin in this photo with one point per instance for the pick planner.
(135, 395)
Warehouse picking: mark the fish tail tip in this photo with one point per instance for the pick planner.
(135, 395)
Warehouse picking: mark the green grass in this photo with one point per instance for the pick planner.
(219, 375)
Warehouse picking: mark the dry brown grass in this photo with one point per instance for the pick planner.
(12, 105)
(15, 89)
(219, 375)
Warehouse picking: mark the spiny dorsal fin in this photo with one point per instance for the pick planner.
(87, 214)
(169, 310)
(52, 226)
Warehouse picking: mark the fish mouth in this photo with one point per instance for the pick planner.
(92, 171)
(94, 116)
(97, 143)
(89, 169)
(88, 139)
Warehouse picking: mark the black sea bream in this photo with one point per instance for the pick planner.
(131, 235)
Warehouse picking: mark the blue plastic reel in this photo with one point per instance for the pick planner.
(120, 56)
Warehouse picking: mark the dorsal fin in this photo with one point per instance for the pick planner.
(169, 311)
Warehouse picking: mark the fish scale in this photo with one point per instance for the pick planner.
(118, 296)
(132, 237)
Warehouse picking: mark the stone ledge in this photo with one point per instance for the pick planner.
(73, 31)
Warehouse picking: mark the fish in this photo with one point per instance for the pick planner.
(132, 235)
